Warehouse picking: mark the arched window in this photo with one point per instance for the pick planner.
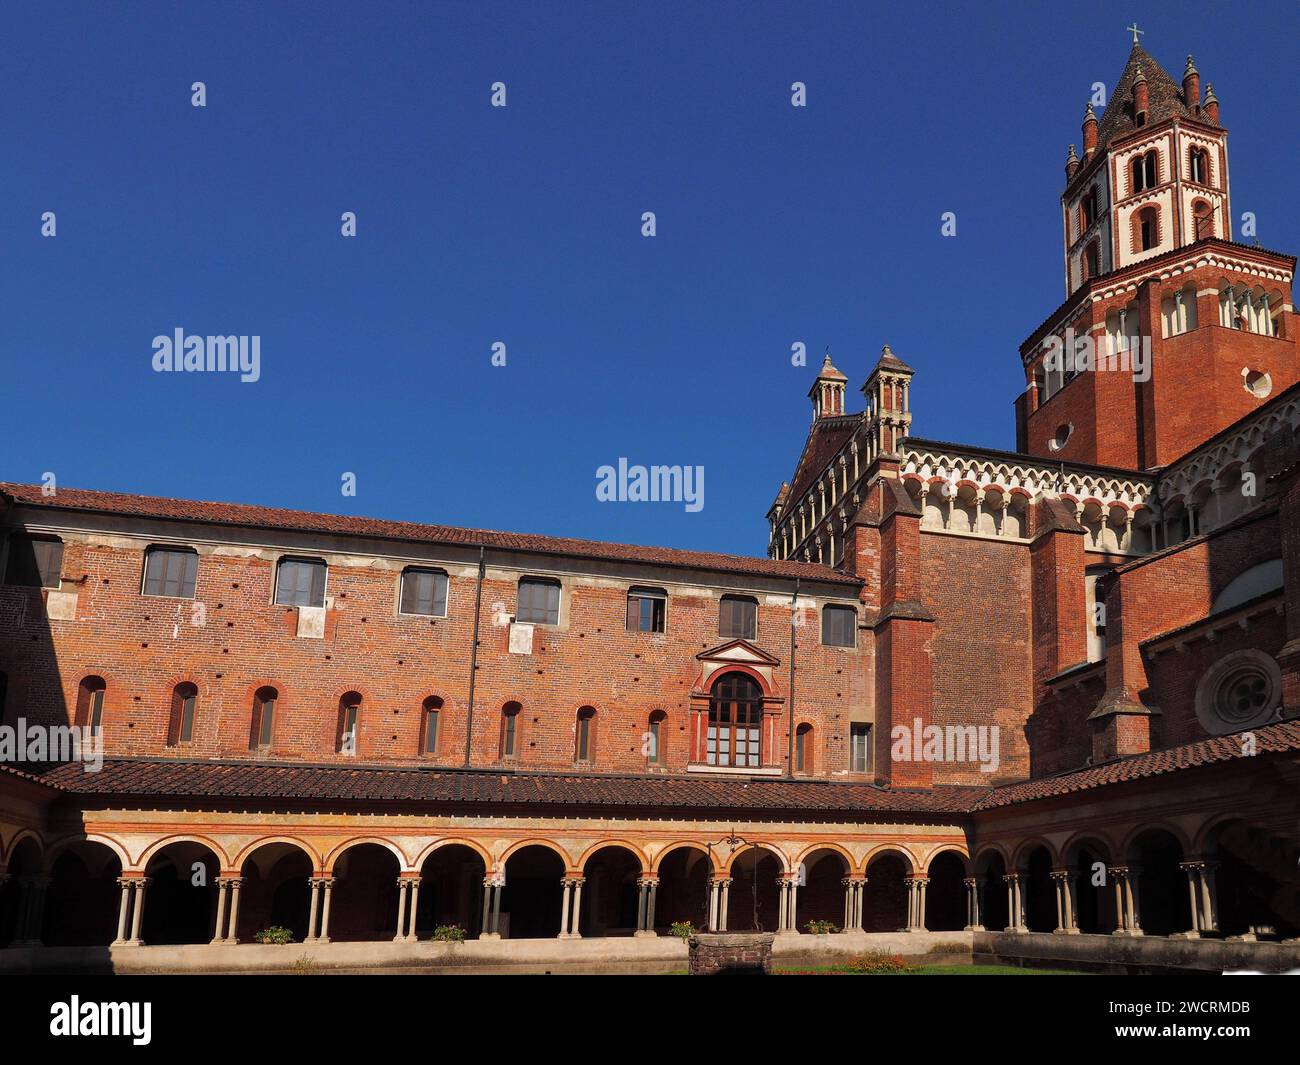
(170, 571)
(803, 752)
(510, 731)
(584, 734)
(655, 753)
(349, 717)
(1198, 166)
(262, 727)
(1146, 228)
(735, 722)
(90, 703)
(180, 727)
(300, 582)
(432, 718)
(738, 617)
(1203, 219)
(1091, 260)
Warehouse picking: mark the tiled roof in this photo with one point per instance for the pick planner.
(1165, 99)
(244, 515)
(1282, 737)
(319, 784)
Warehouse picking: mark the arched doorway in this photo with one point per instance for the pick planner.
(533, 895)
(82, 900)
(1255, 874)
(274, 892)
(24, 864)
(1038, 891)
(884, 896)
(451, 890)
(683, 893)
(365, 894)
(181, 900)
(1162, 901)
(991, 871)
(610, 894)
(1094, 891)
(821, 895)
(945, 894)
(754, 901)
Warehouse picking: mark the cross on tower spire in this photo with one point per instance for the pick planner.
(1135, 31)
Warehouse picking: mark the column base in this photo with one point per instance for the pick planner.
(234, 940)
(1245, 937)
(974, 928)
(569, 935)
(789, 932)
(1065, 931)
(645, 933)
(1185, 935)
(489, 935)
(313, 940)
(1130, 933)
(1018, 929)
(135, 942)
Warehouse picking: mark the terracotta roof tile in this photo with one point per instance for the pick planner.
(241, 514)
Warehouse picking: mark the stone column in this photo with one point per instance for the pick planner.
(859, 901)
(498, 891)
(973, 904)
(788, 893)
(223, 885)
(327, 883)
(236, 882)
(1015, 912)
(401, 909)
(313, 887)
(123, 910)
(137, 918)
(1126, 908)
(1192, 871)
(649, 885)
(566, 902)
(915, 903)
(485, 924)
(1062, 882)
(1209, 897)
(848, 885)
(576, 927)
(412, 935)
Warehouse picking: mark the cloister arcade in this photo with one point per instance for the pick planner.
(1230, 880)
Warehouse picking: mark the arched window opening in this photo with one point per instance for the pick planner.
(90, 704)
(262, 728)
(1199, 166)
(803, 749)
(180, 728)
(510, 731)
(349, 717)
(735, 722)
(432, 719)
(655, 753)
(1148, 224)
(584, 734)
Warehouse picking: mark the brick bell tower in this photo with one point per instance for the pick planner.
(1170, 330)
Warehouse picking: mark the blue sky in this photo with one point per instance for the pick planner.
(523, 225)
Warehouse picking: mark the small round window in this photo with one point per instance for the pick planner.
(1061, 438)
(1239, 692)
(1257, 383)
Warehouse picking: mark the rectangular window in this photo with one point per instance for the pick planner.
(431, 732)
(187, 718)
(859, 748)
(424, 591)
(300, 582)
(738, 617)
(539, 602)
(584, 739)
(839, 626)
(265, 722)
(34, 563)
(646, 608)
(170, 572)
(95, 714)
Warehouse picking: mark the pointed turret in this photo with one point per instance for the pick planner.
(888, 416)
(1192, 87)
(827, 392)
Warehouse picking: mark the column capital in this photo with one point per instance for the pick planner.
(720, 881)
(573, 881)
(916, 878)
(223, 881)
(1011, 878)
(647, 880)
(320, 881)
(971, 881)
